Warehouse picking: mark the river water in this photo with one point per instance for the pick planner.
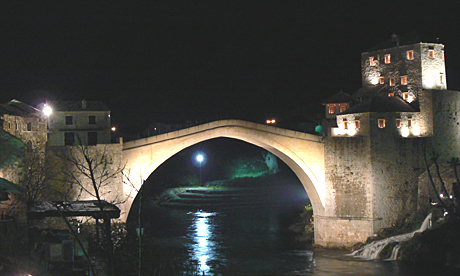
(248, 239)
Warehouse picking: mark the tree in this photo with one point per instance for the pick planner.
(96, 174)
(43, 176)
(449, 200)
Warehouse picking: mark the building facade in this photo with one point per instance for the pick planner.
(79, 122)
(375, 137)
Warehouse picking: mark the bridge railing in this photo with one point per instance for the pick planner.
(157, 128)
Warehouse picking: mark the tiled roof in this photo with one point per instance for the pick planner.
(17, 108)
(340, 97)
(78, 106)
(409, 39)
(381, 104)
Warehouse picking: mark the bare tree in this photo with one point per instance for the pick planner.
(449, 200)
(96, 174)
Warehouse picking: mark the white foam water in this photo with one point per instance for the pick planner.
(372, 250)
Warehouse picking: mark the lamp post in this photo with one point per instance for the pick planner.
(200, 159)
(47, 111)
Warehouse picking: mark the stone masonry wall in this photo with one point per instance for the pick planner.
(112, 189)
(396, 163)
(446, 112)
(347, 166)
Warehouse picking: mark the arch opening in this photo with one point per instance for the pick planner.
(188, 155)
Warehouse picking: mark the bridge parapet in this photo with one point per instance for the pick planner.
(218, 124)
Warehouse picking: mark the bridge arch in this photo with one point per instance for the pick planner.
(303, 153)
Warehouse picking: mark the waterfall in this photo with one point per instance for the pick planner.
(372, 250)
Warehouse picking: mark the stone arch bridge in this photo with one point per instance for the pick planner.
(303, 153)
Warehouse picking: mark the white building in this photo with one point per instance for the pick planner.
(79, 122)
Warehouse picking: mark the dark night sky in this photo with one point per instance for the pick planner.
(178, 60)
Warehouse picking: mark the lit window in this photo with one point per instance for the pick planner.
(382, 80)
(381, 123)
(392, 81)
(441, 78)
(343, 108)
(345, 124)
(410, 55)
(405, 96)
(357, 124)
(398, 123)
(409, 122)
(331, 109)
(403, 80)
(391, 94)
(431, 53)
(371, 61)
(387, 58)
(443, 58)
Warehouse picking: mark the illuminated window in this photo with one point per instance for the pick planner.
(409, 122)
(405, 96)
(392, 81)
(398, 123)
(403, 80)
(381, 123)
(387, 58)
(382, 80)
(391, 94)
(343, 108)
(410, 55)
(371, 61)
(431, 53)
(443, 58)
(345, 124)
(441, 78)
(357, 124)
(331, 109)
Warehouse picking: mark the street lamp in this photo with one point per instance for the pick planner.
(47, 111)
(200, 159)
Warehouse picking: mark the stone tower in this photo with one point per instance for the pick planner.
(373, 149)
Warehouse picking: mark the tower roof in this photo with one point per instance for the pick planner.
(379, 103)
(340, 97)
(78, 106)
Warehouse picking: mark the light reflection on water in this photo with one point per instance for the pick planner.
(203, 247)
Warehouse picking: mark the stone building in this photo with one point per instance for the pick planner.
(27, 124)
(79, 122)
(374, 137)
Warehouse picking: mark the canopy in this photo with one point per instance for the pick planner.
(9, 187)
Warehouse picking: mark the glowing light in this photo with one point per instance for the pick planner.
(404, 132)
(352, 131)
(199, 158)
(270, 121)
(113, 128)
(375, 80)
(47, 110)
